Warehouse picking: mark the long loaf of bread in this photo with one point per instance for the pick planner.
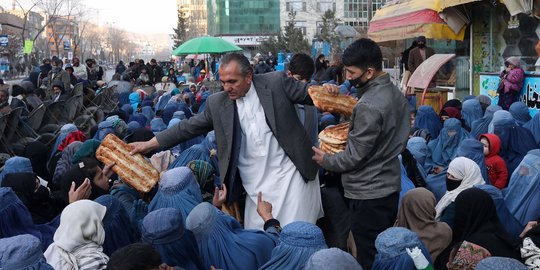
(133, 169)
(328, 103)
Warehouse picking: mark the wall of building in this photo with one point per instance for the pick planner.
(243, 17)
(495, 40)
(356, 13)
(196, 13)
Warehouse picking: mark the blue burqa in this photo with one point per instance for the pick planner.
(510, 223)
(116, 223)
(298, 242)
(392, 247)
(474, 150)
(481, 125)
(516, 141)
(534, 127)
(178, 188)
(224, 244)
(522, 196)
(520, 112)
(471, 111)
(427, 119)
(442, 149)
(164, 229)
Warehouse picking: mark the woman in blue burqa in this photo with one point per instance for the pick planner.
(427, 119)
(471, 111)
(224, 244)
(481, 125)
(522, 196)
(516, 141)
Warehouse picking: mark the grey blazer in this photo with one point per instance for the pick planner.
(277, 94)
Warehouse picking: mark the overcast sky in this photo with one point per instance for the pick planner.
(140, 16)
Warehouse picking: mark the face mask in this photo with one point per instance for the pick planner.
(357, 83)
(421, 46)
(41, 195)
(452, 184)
(56, 69)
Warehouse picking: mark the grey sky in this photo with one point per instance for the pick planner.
(140, 16)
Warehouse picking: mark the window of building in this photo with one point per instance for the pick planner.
(324, 6)
(300, 25)
(295, 6)
(361, 8)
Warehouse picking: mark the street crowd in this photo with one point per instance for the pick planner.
(243, 184)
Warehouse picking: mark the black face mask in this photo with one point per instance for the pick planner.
(357, 83)
(452, 184)
(41, 195)
(421, 46)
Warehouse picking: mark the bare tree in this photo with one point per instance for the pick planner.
(116, 40)
(82, 22)
(93, 41)
(64, 23)
(51, 9)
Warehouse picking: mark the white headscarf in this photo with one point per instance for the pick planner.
(80, 228)
(465, 170)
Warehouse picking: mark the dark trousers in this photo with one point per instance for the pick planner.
(335, 223)
(368, 219)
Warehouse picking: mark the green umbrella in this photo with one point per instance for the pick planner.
(206, 44)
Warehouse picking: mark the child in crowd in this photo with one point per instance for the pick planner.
(497, 171)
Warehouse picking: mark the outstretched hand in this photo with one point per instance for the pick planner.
(318, 155)
(143, 147)
(220, 196)
(264, 208)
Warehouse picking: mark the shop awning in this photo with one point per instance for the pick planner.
(424, 73)
(403, 19)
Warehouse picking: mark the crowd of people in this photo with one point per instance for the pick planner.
(243, 184)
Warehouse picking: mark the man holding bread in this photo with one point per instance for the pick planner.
(369, 165)
(262, 145)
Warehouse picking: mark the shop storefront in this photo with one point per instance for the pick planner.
(491, 32)
(496, 36)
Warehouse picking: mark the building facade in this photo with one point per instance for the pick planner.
(34, 22)
(243, 17)
(196, 14)
(62, 32)
(309, 13)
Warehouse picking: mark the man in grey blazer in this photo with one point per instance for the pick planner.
(259, 137)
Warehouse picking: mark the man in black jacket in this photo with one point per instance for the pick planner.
(155, 72)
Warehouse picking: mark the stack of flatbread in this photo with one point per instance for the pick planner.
(334, 139)
(326, 102)
(134, 170)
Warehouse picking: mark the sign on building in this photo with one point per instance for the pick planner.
(67, 45)
(4, 40)
(249, 41)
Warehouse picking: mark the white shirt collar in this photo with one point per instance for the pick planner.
(250, 93)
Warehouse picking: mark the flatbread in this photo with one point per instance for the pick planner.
(134, 170)
(333, 104)
(335, 135)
